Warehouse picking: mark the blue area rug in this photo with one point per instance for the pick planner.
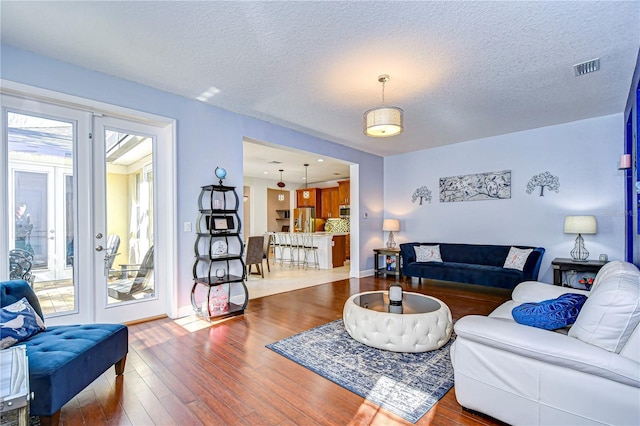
(405, 384)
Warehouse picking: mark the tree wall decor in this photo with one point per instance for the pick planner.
(423, 193)
(544, 180)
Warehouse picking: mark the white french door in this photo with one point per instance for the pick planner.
(41, 148)
(73, 180)
(124, 161)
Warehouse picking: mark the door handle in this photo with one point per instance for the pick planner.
(99, 248)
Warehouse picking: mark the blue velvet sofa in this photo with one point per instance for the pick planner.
(65, 359)
(471, 264)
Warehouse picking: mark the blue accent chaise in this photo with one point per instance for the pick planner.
(65, 359)
(471, 264)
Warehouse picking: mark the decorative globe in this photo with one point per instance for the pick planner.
(221, 174)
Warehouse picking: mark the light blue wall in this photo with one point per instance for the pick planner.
(206, 137)
(583, 154)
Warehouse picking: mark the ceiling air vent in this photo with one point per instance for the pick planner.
(587, 67)
(275, 162)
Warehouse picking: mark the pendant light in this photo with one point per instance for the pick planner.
(281, 185)
(383, 121)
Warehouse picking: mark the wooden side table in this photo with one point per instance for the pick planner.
(387, 253)
(564, 265)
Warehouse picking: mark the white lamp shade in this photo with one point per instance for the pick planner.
(383, 122)
(392, 225)
(580, 225)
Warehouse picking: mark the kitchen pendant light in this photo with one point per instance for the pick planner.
(383, 121)
(306, 178)
(281, 185)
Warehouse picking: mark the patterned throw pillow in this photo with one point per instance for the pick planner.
(550, 314)
(427, 253)
(517, 258)
(19, 322)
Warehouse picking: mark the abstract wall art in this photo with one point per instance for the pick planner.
(480, 186)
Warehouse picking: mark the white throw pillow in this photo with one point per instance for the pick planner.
(427, 253)
(517, 258)
(612, 310)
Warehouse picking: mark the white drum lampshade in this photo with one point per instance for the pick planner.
(383, 122)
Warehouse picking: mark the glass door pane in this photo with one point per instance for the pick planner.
(40, 160)
(129, 259)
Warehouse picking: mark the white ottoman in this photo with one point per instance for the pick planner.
(425, 323)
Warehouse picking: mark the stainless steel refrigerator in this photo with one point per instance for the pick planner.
(304, 219)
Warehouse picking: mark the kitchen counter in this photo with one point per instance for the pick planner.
(331, 249)
(324, 242)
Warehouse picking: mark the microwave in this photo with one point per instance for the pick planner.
(344, 211)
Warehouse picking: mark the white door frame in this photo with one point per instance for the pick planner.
(167, 253)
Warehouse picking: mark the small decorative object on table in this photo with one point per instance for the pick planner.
(221, 174)
(587, 281)
(218, 301)
(395, 294)
(391, 263)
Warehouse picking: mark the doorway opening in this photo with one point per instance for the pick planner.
(275, 175)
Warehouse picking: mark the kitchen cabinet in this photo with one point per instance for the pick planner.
(344, 192)
(309, 197)
(338, 250)
(330, 204)
(347, 246)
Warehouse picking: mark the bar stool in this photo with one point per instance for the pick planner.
(280, 245)
(310, 249)
(294, 248)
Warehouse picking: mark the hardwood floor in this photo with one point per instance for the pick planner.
(187, 372)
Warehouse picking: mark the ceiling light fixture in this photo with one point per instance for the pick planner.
(306, 181)
(383, 121)
(281, 185)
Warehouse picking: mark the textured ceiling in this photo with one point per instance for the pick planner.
(460, 70)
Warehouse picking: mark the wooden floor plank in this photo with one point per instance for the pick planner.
(222, 373)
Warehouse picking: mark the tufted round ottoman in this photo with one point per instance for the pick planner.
(424, 325)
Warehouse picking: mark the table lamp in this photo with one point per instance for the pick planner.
(391, 225)
(580, 225)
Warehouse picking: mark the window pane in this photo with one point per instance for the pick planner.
(129, 217)
(41, 178)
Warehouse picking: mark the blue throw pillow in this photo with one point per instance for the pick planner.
(550, 314)
(19, 322)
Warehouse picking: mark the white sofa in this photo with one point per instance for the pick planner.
(526, 375)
